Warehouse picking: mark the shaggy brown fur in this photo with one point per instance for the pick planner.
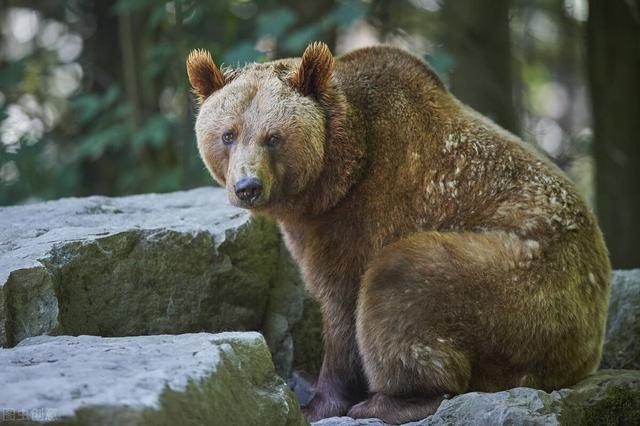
(447, 255)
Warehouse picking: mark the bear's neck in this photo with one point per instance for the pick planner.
(344, 163)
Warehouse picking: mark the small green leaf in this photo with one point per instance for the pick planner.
(154, 132)
(298, 40)
(347, 12)
(11, 74)
(158, 16)
(275, 22)
(125, 6)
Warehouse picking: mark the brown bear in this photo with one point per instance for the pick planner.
(446, 254)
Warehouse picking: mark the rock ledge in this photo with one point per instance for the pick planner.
(225, 378)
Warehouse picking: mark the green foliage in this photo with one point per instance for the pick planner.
(11, 74)
(275, 22)
(441, 61)
(88, 106)
(619, 406)
(127, 124)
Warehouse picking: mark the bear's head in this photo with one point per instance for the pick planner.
(261, 129)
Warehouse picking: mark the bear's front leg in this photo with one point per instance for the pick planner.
(341, 382)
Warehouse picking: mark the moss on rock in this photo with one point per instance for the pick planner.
(146, 264)
(187, 379)
(608, 397)
(244, 389)
(619, 406)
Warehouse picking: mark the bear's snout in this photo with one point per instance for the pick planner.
(248, 190)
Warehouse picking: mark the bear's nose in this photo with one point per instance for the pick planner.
(248, 189)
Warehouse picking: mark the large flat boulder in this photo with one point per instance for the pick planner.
(188, 262)
(147, 264)
(189, 379)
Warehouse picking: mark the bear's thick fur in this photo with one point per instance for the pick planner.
(446, 254)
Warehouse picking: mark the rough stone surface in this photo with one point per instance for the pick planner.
(622, 345)
(608, 397)
(187, 379)
(147, 264)
(188, 262)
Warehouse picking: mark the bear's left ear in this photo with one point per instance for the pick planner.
(313, 75)
(205, 77)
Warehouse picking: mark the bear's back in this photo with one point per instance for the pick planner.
(457, 166)
(384, 70)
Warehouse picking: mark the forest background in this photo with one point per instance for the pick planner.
(94, 97)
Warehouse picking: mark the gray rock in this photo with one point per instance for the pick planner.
(519, 406)
(189, 379)
(622, 343)
(147, 264)
(607, 397)
(187, 262)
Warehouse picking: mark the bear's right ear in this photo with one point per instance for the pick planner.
(313, 75)
(205, 77)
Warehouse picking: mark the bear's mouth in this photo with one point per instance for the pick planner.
(249, 204)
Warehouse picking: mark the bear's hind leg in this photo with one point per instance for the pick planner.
(395, 410)
(418, 319)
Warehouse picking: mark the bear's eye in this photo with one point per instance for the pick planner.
(272, 141)
(228, 137)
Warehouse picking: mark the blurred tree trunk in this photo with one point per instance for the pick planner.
(479, 40)
(130, 66)
(101, 60)
(380, 14)
(614, 71)
(570, 64)
(188, 153)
